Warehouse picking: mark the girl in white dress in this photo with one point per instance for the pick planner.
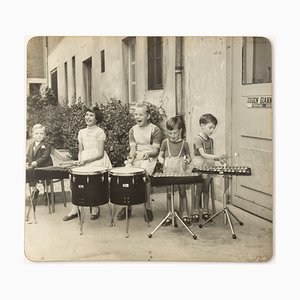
(91, 151)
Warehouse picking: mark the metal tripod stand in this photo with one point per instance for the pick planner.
(172, 215)
(227, 213)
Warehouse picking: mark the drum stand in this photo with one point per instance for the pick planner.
(112, 214)
(81, 216)
(127, 220)
(173, 215)
(227, 213)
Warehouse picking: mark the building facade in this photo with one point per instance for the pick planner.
(228, 77)
(36, 75)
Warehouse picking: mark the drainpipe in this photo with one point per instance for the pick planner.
(46, 62)
(178, 75)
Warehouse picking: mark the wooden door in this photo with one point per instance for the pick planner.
(252, 124)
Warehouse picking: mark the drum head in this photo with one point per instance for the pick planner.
(88, 170)
(126, 171)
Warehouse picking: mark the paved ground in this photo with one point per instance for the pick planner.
(51, 239)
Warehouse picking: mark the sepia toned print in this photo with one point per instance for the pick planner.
(105, 105)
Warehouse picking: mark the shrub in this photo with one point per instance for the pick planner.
(41, 109)
(70, 128)
(117, 121)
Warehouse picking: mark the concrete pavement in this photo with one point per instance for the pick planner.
(52, 239)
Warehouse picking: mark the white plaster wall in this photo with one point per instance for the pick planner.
(104, 85)
(205, 88)
(205, 84)
(111, 83)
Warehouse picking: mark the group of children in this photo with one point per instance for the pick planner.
(146, 148)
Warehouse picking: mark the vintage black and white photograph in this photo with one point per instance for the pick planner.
(149, 148)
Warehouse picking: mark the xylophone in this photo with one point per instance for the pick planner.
(224, 170)
(52, 172)
(49, 173)
(161, 179)
(227, 172)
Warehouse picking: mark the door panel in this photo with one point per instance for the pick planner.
(252, 138)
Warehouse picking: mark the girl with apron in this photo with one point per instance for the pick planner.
(175, 155)
(144, 141)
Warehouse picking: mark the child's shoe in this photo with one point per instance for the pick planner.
(195, 218)
(205, 216)
(187, 221)
(166, 223)
(95, 215)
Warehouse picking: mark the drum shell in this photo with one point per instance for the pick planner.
(89, 190)
(127, 189)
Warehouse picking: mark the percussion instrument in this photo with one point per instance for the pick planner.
(223, 170)
(89, 186)
(227, 172)
(161, 179)
(127, 185)
(52, 172)
(60, 173)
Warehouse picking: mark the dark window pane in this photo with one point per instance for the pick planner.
(132, 72)
(132, 93)
(102, 61)
(155, 53)
(257, 60)
(34, 88)
(132, 48)
(158, 73)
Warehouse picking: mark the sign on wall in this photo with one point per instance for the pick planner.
(259, 102)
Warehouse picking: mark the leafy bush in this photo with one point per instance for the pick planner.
(71, 127)
(117, 121)
(157, 114)
(41, 109)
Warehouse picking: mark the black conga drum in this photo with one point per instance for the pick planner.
(89, 186)
(127, 185)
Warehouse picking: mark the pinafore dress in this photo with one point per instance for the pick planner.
(174, 164)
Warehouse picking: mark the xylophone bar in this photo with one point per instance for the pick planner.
(224, 170)
(160, 179)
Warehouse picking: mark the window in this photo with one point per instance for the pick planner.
(257, 60)
(74, 79)
(155, 61)
(54, 83)
(132, 72)
(87, 80)
(129, 48)
(34, 88)
(102, 61)
(66, 81)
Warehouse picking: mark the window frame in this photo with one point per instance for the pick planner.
(155, 61)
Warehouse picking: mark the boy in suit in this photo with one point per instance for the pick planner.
(38, 155)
